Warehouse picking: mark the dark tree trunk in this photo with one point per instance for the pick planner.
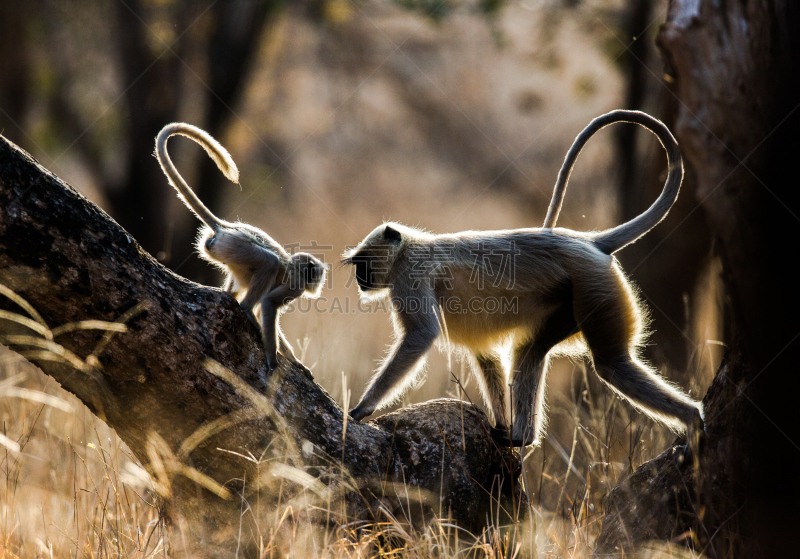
(13, 69)
(153, 386)
(230, 52)
(735, 66)
(153, 94)
(667, 283)
(633, 61)
(154, 73)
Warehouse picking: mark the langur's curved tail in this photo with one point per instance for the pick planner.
(614, 239)
(214, 149)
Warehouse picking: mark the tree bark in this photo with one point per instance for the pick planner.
(735, 69)
(153, 383)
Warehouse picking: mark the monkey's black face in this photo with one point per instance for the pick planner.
(372, 266)
(310, 271)
(363, 274)
(373, 258)
(314, 274)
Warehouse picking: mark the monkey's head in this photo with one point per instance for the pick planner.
(309, 273)
(375, 256)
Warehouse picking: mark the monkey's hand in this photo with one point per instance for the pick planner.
(360, 412)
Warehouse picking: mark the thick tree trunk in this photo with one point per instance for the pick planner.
(666, 282)
(735, 66)
(154, 385)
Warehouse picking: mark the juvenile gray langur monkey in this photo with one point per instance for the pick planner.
(259, 271)
(564, 294)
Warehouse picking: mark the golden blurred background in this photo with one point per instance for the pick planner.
(445, 115)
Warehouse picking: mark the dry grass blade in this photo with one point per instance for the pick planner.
(164, 464)
(204, 481)
(38, 397)
(51, 347)
(124, 317)
(10, 444)
(113, 327)
(47, 355)
(346, 393)
(27, 323)
(4, 290)
(259, 401)
(11, 381)
(212, 428)
(298, 476)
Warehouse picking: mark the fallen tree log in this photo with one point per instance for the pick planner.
(186, 385)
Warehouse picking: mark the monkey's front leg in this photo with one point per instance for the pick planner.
(269, 331)
(286, 348)
(261, 284)
(421, 331)
(271, 304)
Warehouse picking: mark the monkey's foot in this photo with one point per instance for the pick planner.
(358, 413)
(252, 318)
(695, 439)
(502, 437)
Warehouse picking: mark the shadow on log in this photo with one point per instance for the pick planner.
(158, 386)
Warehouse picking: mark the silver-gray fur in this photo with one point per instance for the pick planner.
(259, 272)
(535, 292)
(614, 239)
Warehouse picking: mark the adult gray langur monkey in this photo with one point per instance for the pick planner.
(258, 270)
(536, 292)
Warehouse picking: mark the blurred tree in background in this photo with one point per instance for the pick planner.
(440, 113)
(145, 46)
(445, 114)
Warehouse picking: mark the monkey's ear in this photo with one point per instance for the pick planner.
(391, 234)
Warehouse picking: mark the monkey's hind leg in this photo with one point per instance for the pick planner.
(529, 386)
(610, 320)
(491, 379)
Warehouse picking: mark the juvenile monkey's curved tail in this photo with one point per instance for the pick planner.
(214, 149)
(614, 239)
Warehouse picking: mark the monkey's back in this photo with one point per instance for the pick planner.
(492, 285)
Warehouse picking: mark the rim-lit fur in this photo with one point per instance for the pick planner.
(260, 273)
(565, 295)
(238, 249)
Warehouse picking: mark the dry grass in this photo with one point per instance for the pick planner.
(72, 488)
(358, 151)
